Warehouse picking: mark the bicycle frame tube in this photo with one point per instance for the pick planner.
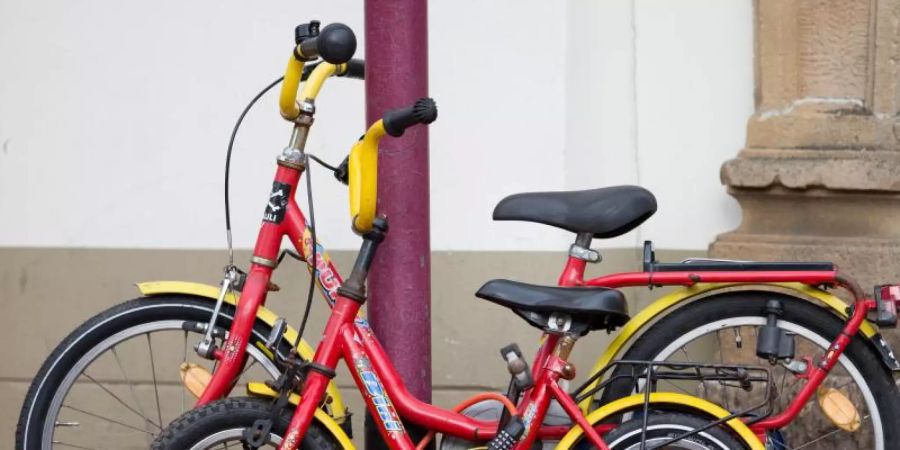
(291, 223)
(348, 336)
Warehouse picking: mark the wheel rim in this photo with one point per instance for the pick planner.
(235, 434)
(128, 400)
(683, 444)
(874, 416)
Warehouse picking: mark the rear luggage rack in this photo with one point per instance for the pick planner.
(644, 378)
(727, 265)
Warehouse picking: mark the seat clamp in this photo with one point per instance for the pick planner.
(559, 322)
(584, 253)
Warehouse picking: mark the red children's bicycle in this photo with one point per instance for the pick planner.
(760, 339)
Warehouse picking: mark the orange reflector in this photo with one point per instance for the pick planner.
(195, 378)
(839, 409)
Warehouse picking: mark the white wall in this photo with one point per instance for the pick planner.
(114, 116)
(658, 94)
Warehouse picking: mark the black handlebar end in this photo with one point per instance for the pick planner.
(305, 31)
(336, 43)
(424, 111)
(356, 68)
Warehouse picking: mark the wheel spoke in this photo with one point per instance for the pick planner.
(66, 444)
(679, 387)
(128, 380)
(98, 416)
(830, 433)
(119, 399)
(155, 385)
(722, 361)
(246, 369)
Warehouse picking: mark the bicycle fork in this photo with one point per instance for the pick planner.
(230, 356)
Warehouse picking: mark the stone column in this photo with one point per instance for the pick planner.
(819, 178)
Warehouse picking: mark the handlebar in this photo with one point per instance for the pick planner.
(362, 167)
(335, 43)
(355, 68)
(396, 121)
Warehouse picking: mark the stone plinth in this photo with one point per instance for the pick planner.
(819, 178)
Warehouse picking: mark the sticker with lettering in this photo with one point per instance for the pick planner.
(278, 201)
(383, 406)
(328, 278)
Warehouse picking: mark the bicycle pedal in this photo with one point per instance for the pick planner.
(255, 436)
(275, 335)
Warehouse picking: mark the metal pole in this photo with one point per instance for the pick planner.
(400, 279)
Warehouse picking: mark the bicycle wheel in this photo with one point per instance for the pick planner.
(662, 427)
(722, 329)
(221, 425)
(115, 382)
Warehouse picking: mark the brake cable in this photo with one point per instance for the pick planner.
(234, 131)
(292, 376)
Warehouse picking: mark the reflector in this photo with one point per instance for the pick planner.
(839, 409)
(890, 292)
(195, 378)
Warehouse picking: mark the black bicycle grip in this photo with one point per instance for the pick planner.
(356, 68)
(396, 121)
(335, 43)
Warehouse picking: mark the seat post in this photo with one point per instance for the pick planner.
(581, 249)
(563, 348)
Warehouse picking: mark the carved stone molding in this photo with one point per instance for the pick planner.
(819, 178)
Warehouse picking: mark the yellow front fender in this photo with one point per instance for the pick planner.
(671, 399)
(666, 302)
(211, 293)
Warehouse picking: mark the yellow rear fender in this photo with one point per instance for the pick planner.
(211, 293)
(662, 400)
(255, 389)
(666, 303)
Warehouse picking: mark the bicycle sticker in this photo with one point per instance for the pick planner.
(278, 201)
(527, 418)
(326, 276)
(375, 389)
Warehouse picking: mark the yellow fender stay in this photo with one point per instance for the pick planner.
(261, 390)
(664, 303)
(211, 293)
(681, 401)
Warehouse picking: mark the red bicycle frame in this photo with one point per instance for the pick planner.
(573, 275)
(348, 336)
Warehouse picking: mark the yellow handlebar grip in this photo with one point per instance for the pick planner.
(287, 101)
(362, 178)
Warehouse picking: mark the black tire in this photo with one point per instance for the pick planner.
(33, 416)
(798, 311)
(237, 413)
(664, 426)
